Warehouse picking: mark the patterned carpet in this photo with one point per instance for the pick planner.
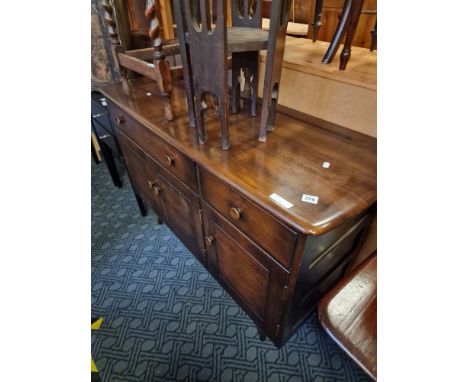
(167, 319)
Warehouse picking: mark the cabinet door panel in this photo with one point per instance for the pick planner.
(181, 209)
(255, 279)
(135, 161)
(234, 261)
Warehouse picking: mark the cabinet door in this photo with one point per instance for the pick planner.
(253, 278)
(181, 209)
(135, 161)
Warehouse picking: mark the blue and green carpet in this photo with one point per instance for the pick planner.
(167, 319)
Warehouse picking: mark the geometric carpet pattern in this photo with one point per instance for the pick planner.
(167, 319)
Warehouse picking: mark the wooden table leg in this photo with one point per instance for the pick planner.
(373, 33)
(339, 33)
(354, 16)
(141, 205)
(317, 23)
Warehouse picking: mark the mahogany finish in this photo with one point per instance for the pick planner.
(277, 238)
(276, 262)
(348, 313)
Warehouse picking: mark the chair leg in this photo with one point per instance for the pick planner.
(272, 113)
(125, 82)
(165, 86)
(356, 10)
(268, 118)
(200, 109)
(223, 119)
(339, 33)
(373, 34)
(236, 70)
(254, 69)
(141, 205)
(317, 23)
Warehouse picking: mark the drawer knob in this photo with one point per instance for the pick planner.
(209, 240)
(156, 189)
(119, 120)
(235, 213)
(170, 160)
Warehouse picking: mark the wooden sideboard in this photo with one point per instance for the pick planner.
(274, 259)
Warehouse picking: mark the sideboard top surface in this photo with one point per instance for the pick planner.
(289, 164)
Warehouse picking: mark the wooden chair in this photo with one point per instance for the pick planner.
(150, 62)
(206, 43)
(347, 26)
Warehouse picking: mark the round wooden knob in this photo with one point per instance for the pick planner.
(119, 120)
(209, 240)
(235, 213)
(151, 183)
(170, 160)
(157, 190)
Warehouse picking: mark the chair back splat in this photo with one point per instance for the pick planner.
(205, 21)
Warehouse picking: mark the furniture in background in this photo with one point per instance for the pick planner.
(274, 226)
(106, 138)
(348, 313)
(150, 62)
(346, 29)
(207, 42)
(105, 135)
(373, 37)
(317, 20)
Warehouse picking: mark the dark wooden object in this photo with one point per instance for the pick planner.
(244, 15)
(104, 132)
(373, 37)
(317, 21)
(349, 314)
(136, 60)
(243, 41)
(276, 262)
(347, 26)
(207, 36)
(279, 16)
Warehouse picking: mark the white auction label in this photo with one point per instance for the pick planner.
(278, 199)
(310, 199)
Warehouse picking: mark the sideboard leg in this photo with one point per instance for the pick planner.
(141, 205)
(261, 335)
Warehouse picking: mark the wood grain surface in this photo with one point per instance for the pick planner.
(289, 164)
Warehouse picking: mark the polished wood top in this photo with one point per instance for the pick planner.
(349, 314)
(289, 164)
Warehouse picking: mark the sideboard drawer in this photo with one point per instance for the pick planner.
(271, 234)
(172, 159)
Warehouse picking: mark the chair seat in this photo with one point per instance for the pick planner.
(241, 39)
(349, 314)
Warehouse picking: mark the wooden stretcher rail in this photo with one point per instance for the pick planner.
(146, 69)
